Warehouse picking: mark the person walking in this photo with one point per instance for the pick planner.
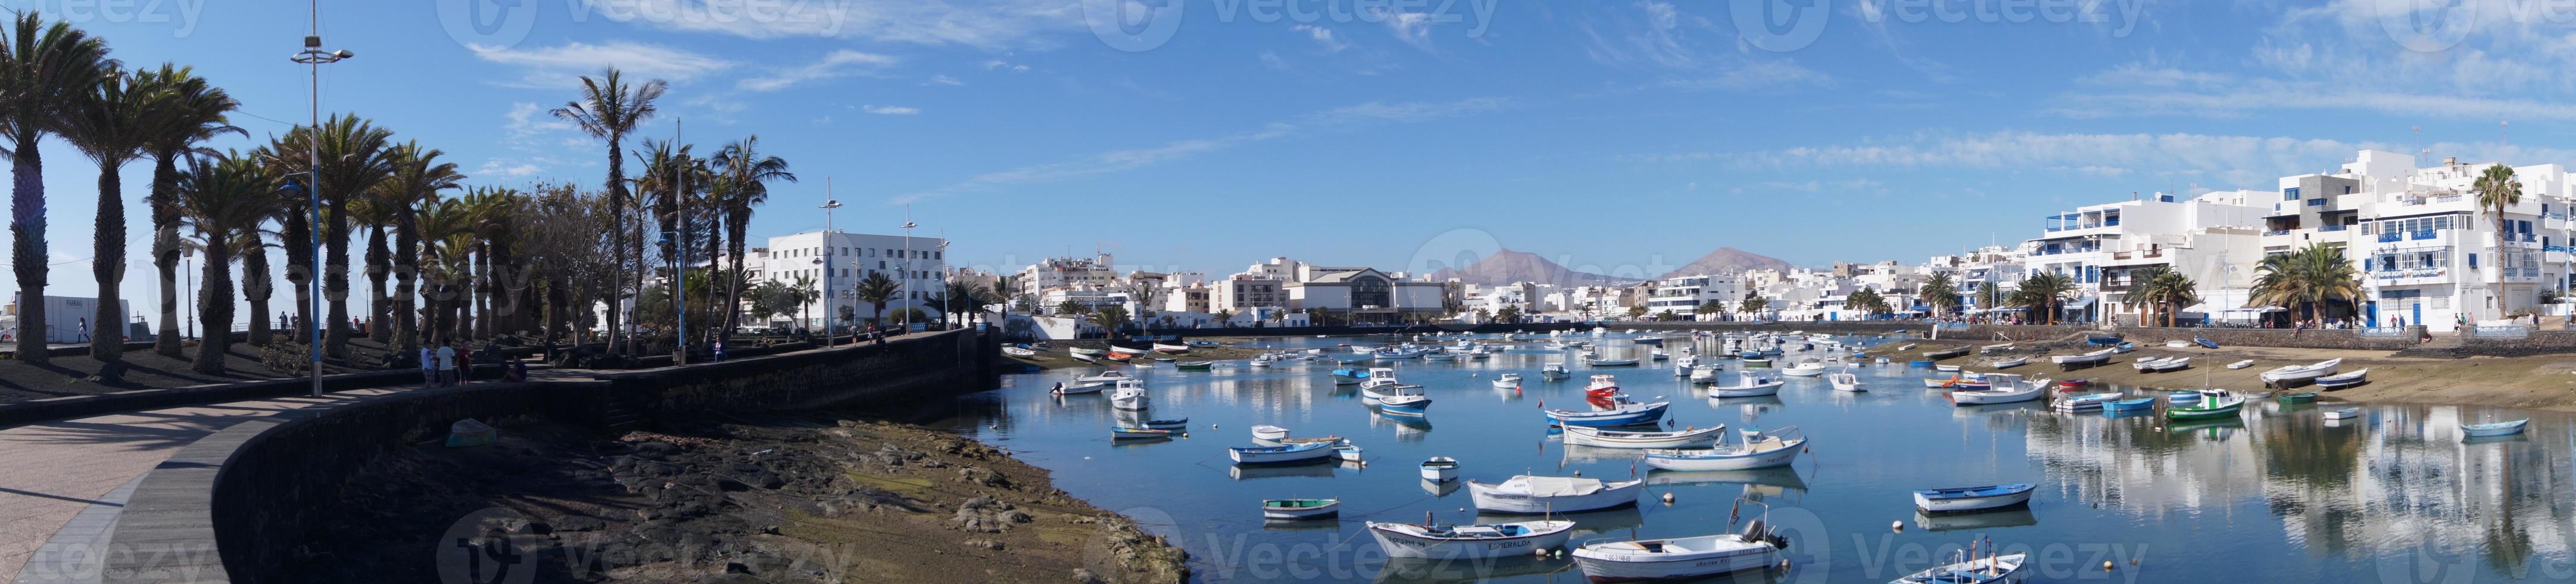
(464, 367)
(83, 331)
(428, 367)
(447, 363)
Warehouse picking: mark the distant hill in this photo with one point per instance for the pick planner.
(1507, 266)
(1727, 259)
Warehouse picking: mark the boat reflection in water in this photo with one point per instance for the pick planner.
(1585, 523)
(1407, 428)
(2017, 516)
(1468, 570)
(1320, 468)
(1442, 489)
(1778, 480)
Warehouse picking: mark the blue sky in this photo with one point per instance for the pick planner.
(1616, 135)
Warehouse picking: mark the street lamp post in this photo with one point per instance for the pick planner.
(828, 205)
(903, 270)
(186, 257)
(313, 57)
(679, 291)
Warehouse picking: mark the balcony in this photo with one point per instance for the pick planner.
(2422, 234)
(2390, 237)
(2530, 238)
(2276, 232)
(2334, 228)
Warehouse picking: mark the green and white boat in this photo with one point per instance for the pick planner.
(1293, 509)
(2214, 404)
(1193, 365)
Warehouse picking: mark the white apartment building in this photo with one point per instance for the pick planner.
(1068, 272)
(837, 261)
(2427, 253)
(2099, 246)
(1683, 295)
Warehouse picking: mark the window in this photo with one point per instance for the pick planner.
(2473, 261)
(2290, 194)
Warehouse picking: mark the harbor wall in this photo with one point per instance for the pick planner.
(237, 505)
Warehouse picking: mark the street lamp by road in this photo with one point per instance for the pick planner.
(828, 205)
(679, 293)
(904, 283)
(313, 57)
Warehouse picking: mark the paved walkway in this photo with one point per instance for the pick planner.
(62, 483)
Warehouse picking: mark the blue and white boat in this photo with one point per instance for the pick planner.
(2078, 403)
(2130, 405)
(2494, 429)
(1405, 404)
(1349, 376)
(1959, 499)
(1172, 424)
(1627, 413)
(1406, 352)
(1303, 452)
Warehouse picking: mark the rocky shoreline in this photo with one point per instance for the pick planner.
(788, 499)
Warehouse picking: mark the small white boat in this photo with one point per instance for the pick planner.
(2494, 429)
(1300, 452)
(1164, 348)
(1748, 385)
(1757, 450)
(1204, 344)
(2005, 569)
(1705, 374)
(2164, 365)
(1507, 381)
(2344, 380)
(2241, 364)
(1992, 349)
(2002, 388)
(1130, 396)
(1946, 368)
(1347, 452)
(1554, 371)
(1440, 469)
(1119, 349)
(1681, 558)
(2086, 359)
(1845, 381)
(2011, 363)
(2297, 373)
(1295, 509)
(1104, 377)
(2080, 403)
(1086, 358)
(1612, 362)
(1583, 436)
(1807, 368)
(2177, 344)
(1021, 353)
(1079, 388)
(1269, 433)
(2343, 414)
(1973, 498)
(1538, 494)
(1456, 542)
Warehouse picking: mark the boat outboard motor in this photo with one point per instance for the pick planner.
(1756, 530)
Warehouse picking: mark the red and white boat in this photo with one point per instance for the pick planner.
(1603, 386)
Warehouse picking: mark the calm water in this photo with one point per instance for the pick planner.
(2282, 496)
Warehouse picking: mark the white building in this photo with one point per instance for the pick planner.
(2098, 246)
(1682, 296)
(837, 261)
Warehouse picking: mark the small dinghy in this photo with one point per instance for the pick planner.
(1297, 509)
(1269, 433)
(2005, 569)
(1626, 413)
(2240, 364)
(1705, 374)
(2177, 344)
(1508, 381)
(2084, 402)
(1946, 368)
(1349, 376)
(2130, 405)
(1173, 424)
(1459, 542)
(1440, 469)
(1757, 450)
(1538, 494)
(1103, 377)
(1079, 388)
(2011, 363)
(1681, 558)
(2003, 388)
(1346, 452)
(1807, 368)
(1613, 362)
(2284, 376)
(2213, 404)
(1554, 371)
(1194, 365)
(1021, 353)
(1845, 381)
(1748, 386)
(1582, 436)
(2344, 380)
(2493, 429)
(2343, 414)
(1959, 499)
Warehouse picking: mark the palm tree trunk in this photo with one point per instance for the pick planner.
(27, 245)
(107, 327)
(406, 260)
(2498, 289)
(379, 304)
(299, 272)
(256, 288)
(735, 225)
(165, 251)
(617, 234)
(335, 281)
(479, 289)
(215, 309)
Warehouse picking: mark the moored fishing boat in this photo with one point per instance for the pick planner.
(1086, 358)
(1204, 344)
(1507, 381)
(1612, 362)
(2240, 364)
(2213, 404)
(1459, 542)
(1755, 362)
(1164, 348)
(2344, 380)
(1171, 424)
(1079, 388)
(2164, 365)
(1992, 349)
(2004, 569)
(1946, 368)
(1705, 373)
(1958, 499)
(1585, 436)
(1021, 353)
(1603, 386)
(1440, 469)
(1756, 450)
(1625, 413)
(1138, 434)
(1269, 433)
(1083, 351)
(2130, 405)
(1554, 371)
(1194, 365)
(2083, 360)
(1845, 381)
(1303, 452)
(1807, 368)
(2004, 388)
(1130, 396)
(1748, 385)
(2493, 428)
(1119, 349)
(1349, 376)
(2080, 403)
(1293, 509)
(1104, 377)
(1538, 494)
(1681, 558)
(2286, 375)
(2011, 363)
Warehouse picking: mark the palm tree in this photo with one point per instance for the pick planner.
(2141, 294)
(108, 125)
(876, 289)
(609, 109)
(45, 71)
(2171, 290)
(192, 111)
(1000, 294)
(1510, 313)
(418, 176)
(1711, 307)
(803, 288)
(2497, 190)
(2044, 293)
(1752, 306)
(960, 297)
(2277, 280)
(1110, 318)
(355, 155)
(1991, 295)
(1941, 293)
(2328, 276)
(226, 197)
(747, 172)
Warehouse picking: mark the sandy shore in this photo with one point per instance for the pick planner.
(2543, 382)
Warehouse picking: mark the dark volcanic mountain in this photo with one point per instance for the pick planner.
(1727, 259)
(1507, 266)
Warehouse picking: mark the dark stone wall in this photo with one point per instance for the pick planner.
(236, 506)
(2539, 343)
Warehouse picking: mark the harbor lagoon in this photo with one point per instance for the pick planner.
(2396, 495)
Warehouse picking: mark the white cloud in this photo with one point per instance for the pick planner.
(838, 63)
(1681, 50)
(1341, 118)
(535, 136)
(1322, 36)
(556, 67)
(1414, 28)
(2240, 160)
(943, 80)
(1001, 65)
(984, 24)
(890, 110)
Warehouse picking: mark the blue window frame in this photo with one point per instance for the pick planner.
(2473, 261)
(2290, 194)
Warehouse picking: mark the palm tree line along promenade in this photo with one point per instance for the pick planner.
(444, 261)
